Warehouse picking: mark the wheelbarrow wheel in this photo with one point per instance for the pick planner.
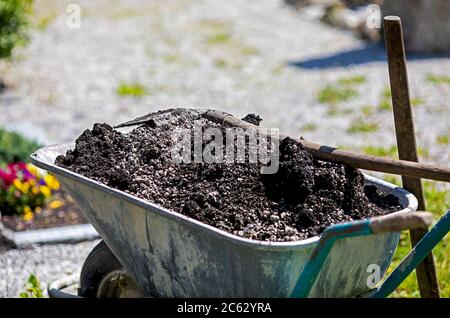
(102, 276)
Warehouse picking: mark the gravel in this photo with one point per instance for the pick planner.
(66, 79)
(47, 262)
(242, 62)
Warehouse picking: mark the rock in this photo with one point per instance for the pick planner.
(426, 26)
(274, 218)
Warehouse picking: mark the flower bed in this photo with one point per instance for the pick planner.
(31, 199)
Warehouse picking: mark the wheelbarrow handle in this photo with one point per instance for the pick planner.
(414, 258)
(376, 225)
(400, 221)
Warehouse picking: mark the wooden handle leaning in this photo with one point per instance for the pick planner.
(406, 142)
(397, 222)
(354, 159)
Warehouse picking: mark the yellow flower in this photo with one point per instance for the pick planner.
(56, 204)
(32, 169)
(25, 187)
(18, 184)
(51, 182)
(32, 182)
(35, 190)
(28, 217)
(21, 186)
(27, 214)
(45, 191)
(56, 184)
(48, 179)
(37, 210)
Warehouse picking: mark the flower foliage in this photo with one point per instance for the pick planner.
(24, 189)
(32, 288)
(15, 147)
(13, 23)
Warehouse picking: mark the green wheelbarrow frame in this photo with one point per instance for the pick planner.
(373, 226)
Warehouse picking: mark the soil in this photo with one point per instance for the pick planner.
(253, 119)
(68, 214)
(299, 201)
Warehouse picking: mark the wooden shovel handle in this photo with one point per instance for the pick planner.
(354, 159)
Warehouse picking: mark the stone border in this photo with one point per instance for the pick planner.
(63, 234)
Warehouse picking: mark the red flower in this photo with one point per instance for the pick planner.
(7, 178)
(12, 166)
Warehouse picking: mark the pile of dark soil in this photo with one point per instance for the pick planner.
(299, 201)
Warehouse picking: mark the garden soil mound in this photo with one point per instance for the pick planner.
(299, 201)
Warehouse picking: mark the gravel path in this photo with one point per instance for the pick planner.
(233, 55)
(238, 56)
(48, 263)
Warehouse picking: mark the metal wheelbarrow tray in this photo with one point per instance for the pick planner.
(171, 255)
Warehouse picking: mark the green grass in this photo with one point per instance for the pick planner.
(212, 25)
(15, 147)
(335, 94)
(438, 79)
(354, 80)
(171, 58)
(361, 126)
(226, 43)
(342, 91)
(217, 32)
(367, 110)
(247, 50)
(131, 89)
(381, 151)
(437, 200)
(385, 105)
(125, 13)
(218, 38)
(423, 152)
(442, 139)
(223, 63)
(334, 111)
(417, 101)
(44, 22)
(308, 127)
(174, 58)
(220, 63)
(392, 151)
(387, 92)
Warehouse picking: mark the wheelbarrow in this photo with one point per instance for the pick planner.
(151, 251)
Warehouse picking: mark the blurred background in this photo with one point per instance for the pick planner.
(312, 68)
